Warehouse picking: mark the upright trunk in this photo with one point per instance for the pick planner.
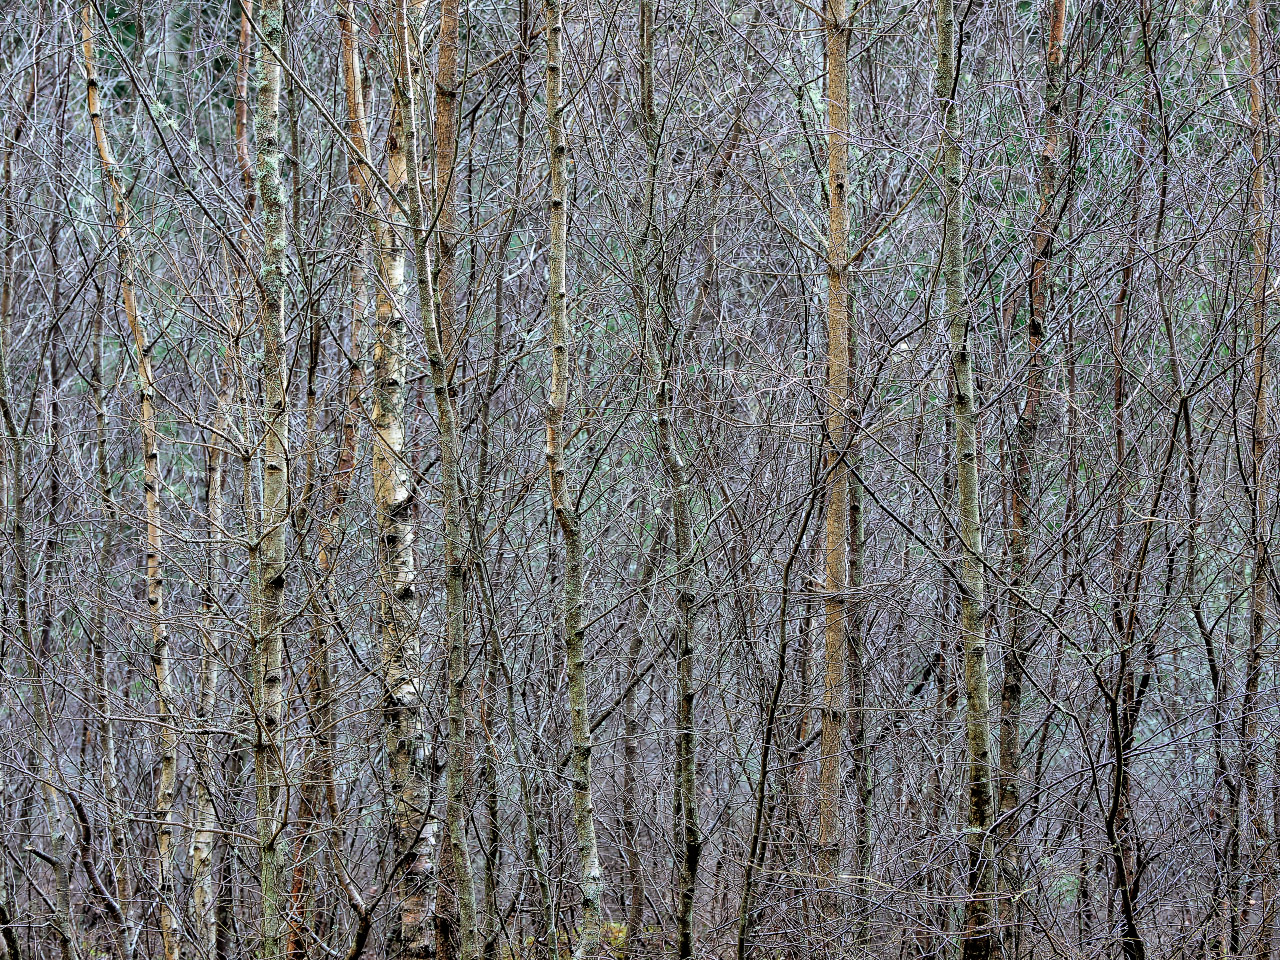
(759, 820)
(12, 140)
(42, 733)
(364, 226)
(977, 934)
(389, 397)
(58, 855)
(1024, 443)
(225, 879)
(302, 890)
(546, 937)
(1260, 238)
(859, 732)
(632, 727)
(1122, 706)
(457, 905)
(116, 838)
(206, 817)
(654, 303)
(494, 857)
(403, 721)
(631, 734)
(487, 935)
(268, 673)
(835, 547)
(446, 146)
(688, 829)
(591, 881)
(166, 782)
(244, 61)
(856, 627)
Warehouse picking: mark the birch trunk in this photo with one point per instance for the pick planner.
(364, 226)
(272, 560)
(393, 498)
(166, 782)
(591, 881)
(206, 817)
(116, 840)
(977, 934)
(455, 543)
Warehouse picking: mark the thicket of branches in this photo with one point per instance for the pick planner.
(708, 478)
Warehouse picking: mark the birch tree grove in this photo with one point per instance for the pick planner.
(713, 480)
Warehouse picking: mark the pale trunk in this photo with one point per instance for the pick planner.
(591, 881)
(120, 866)
(402, 711)
(203, 902)
(272, 569)
(166, 782)
(1260, 587)
(977, 938)
(455, 537)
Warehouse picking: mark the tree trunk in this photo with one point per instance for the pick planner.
(836, 545)
(591, 881)
(1260, 586)
(1024, 440)
(858, 714)
(206, 816)
(977, 935)
(456, 913)
(455, 536)
(632, 732)
(166, 782)
(116, 839)
(1123, 713)
(654, 302)
(272, 559)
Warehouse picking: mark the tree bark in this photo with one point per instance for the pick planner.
(1018, 647)
(268, 674)
(978, 942)
(455, 536)
(166, 782)
(836, 543)
(116, 840)
(458, 905)
(591, 881)
(1259, 461)
(206, 816)
(654, 303)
